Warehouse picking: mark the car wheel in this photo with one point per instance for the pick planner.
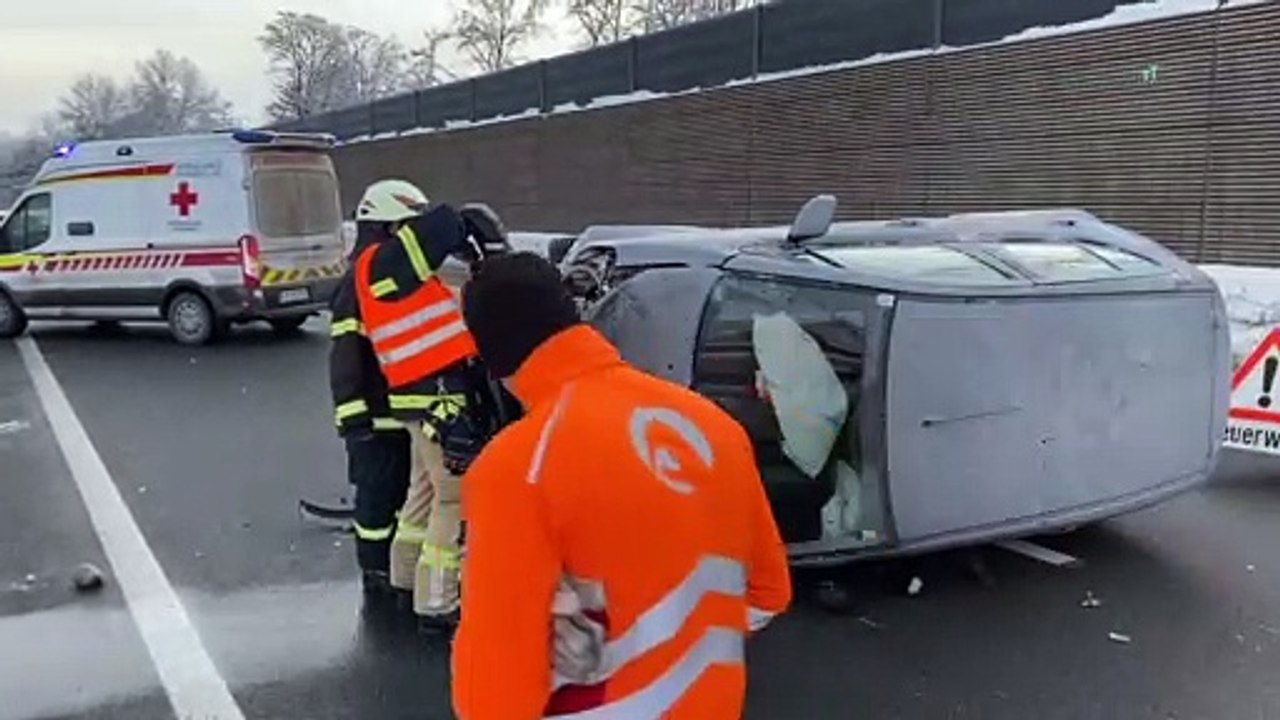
(13, 322)
(191, 320)
(287, 325)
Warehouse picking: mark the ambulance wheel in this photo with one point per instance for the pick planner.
(191, 320)
(287, 325)
(13, 322)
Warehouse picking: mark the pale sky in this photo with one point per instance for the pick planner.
(45, 44)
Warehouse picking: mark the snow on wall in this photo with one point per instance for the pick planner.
(1144, 11)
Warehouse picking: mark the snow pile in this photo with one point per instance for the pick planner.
(1252, 295)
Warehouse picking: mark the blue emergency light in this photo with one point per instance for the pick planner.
(63, 150)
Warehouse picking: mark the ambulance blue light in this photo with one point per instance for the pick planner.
(253, 136)
(64, 150)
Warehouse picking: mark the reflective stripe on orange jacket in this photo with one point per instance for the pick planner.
(645, 497)
(414, 337)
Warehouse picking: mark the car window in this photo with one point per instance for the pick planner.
(30, 225)
(1060, 261)
(293, 202)
(922, 263)
(1125, 260)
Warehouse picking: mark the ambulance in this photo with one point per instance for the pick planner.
(196, 231)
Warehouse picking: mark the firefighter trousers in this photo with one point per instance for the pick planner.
(426, 548)
(378, 467)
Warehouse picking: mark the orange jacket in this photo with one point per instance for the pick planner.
(646, 497)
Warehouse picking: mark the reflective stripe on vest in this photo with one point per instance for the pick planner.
(659, 624)
(416, 336)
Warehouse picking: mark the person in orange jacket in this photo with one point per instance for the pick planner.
(638, 497)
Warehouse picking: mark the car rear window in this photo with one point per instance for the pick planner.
(294, 201)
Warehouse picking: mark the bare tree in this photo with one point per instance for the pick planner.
(425, 69)
(94, 107)
(491, 32)
(603, 21)
(306, 54)
(171, 95)
(372, 67)
(664, 14)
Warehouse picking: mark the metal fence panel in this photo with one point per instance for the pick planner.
(509, 92)
(706, 54)
(584, 76)
(823, 32)
(348, 123)
(395, 113)
(438, 105)
(968, 22)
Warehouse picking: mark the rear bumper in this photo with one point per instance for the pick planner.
(240, 303)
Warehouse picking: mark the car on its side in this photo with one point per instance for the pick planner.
(996, 375)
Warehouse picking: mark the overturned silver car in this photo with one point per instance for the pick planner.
(925, 383)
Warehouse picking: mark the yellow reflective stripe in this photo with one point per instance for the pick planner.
(410, 532)
(436, 556)
(346, 327)
(351, 409)
(409, 239)
(384, 287)
(387, 424)
(423, 402)
(374, 534)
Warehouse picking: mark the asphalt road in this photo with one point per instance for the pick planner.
(211, 448)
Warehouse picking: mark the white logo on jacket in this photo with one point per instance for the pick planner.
(661, 461)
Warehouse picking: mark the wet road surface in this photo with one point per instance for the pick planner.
(212, 447)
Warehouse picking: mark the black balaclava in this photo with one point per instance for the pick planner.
(513, 304)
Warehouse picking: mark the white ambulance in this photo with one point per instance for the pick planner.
(198, 231)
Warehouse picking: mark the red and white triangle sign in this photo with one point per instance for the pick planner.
(1254, 420)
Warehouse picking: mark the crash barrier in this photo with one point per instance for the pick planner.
(1171, 127)
(768, 38)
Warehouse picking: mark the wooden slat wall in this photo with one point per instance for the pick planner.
(1192, 159)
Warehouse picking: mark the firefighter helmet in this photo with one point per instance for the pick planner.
(391, 201)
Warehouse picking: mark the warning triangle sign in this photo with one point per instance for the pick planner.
(1255, 389)
(1254, 420)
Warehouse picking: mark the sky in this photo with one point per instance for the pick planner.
(45, 44)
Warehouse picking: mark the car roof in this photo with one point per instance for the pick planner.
(980, 235)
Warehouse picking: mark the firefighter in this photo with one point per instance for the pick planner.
(429, 363)
(377, 445)
(637, 495)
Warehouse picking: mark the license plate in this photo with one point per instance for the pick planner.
(294, 296)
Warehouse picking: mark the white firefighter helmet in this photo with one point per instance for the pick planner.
(391, 201)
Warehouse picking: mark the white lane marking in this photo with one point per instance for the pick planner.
(1039, 552)
(190, 679)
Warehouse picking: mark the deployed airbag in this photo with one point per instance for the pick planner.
(807, 396)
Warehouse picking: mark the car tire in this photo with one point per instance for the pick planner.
(13, 322)
(191, 319)
(287, 325)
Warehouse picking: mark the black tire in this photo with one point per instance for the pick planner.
(191, 319)
(287, 325)
(13, 322)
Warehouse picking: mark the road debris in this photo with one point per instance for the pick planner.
(1090, 601)
(870, 623)
(1249, 568)
(30, 579)
(87, 577)
(12, 426)
(142, 489)
(1269, 630)
(915, 587)
(1039, 552)
(337, 543)
(1120, 638)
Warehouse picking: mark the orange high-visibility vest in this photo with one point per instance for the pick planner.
(416, 336)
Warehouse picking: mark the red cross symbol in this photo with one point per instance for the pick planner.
(184, 199)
